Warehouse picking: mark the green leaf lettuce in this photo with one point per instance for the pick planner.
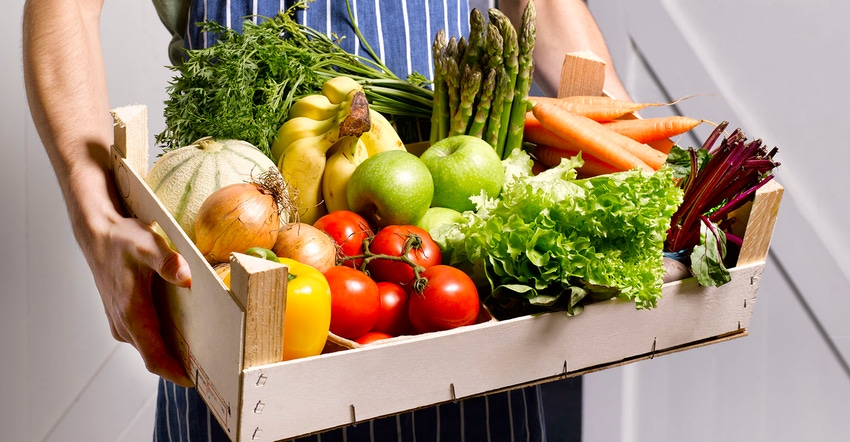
(563, 238)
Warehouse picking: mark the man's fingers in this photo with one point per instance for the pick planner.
(147, 339)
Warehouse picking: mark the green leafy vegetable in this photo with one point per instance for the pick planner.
(707, 256)
(243, 86)
(551, 240)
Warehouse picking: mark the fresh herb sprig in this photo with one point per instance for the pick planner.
(242, 86)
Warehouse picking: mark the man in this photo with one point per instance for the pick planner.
(67, 92)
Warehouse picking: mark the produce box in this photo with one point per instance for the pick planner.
(230, 341)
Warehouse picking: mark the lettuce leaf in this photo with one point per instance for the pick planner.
(551, 239)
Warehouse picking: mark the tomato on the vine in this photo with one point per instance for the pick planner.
(355, 302)
(349, 230)
(393, 241)
(393, 318)
(448, 300)
(371, 336)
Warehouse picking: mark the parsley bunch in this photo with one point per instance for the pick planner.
(242, 86)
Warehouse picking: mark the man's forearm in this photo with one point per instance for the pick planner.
(67, 93)
(564, 26)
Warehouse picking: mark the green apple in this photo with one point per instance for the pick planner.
(462, 166)
(437, 216)
(390, 188)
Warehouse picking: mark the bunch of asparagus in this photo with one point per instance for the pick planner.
(481, 84)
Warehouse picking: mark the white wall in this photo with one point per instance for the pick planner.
(769, 67)
(62, 376)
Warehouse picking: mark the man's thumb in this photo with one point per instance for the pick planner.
(176, 270)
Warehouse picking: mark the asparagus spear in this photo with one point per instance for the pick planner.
(482, 109)
(462, 44)
(491, 131)
(439, 112)
(452, 74)
(470, 84)
(494, 60)
(519, 107)
(510, 63)
(477, 38)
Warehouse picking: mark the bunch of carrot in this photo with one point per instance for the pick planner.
(563, 127)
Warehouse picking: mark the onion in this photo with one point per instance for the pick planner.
(307, 245)
(240, 216)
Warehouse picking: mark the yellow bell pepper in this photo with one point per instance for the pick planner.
(308, 311)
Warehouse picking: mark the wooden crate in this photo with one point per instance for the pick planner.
(230, 341)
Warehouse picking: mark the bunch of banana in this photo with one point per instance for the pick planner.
(324, 139)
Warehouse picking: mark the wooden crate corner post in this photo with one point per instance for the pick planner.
(130, 133)
(582, 73)
(761, 220)
(260, 285)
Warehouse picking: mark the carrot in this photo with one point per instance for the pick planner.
(664, 146)
(595, 139)
(550, 156)
(646, 130)
(599, 108)
(534, 132)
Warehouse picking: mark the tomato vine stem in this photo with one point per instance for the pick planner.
(412, 241)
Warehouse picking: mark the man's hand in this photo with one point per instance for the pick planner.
(126, 259)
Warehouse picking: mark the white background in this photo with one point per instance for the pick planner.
(774, 68)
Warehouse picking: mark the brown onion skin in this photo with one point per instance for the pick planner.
(307, 245)
(234, 219)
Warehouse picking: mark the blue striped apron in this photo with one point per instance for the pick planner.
(400, 32)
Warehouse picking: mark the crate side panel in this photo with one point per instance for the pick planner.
(205, 323)
(309, 395)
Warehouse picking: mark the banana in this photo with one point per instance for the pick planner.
(338, 88)
(382, 136)
(315, 107)
(299, 127)
(302, 166)
(315, 114)
(343, 158)
(303, 156)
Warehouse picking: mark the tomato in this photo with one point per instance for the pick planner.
(449, 300)
(355, 302)
(372, 336)
(392, 240)
(392, 319)
(349, 230)
(308, 311)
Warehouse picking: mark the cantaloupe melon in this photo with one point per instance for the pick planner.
(184, 177)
